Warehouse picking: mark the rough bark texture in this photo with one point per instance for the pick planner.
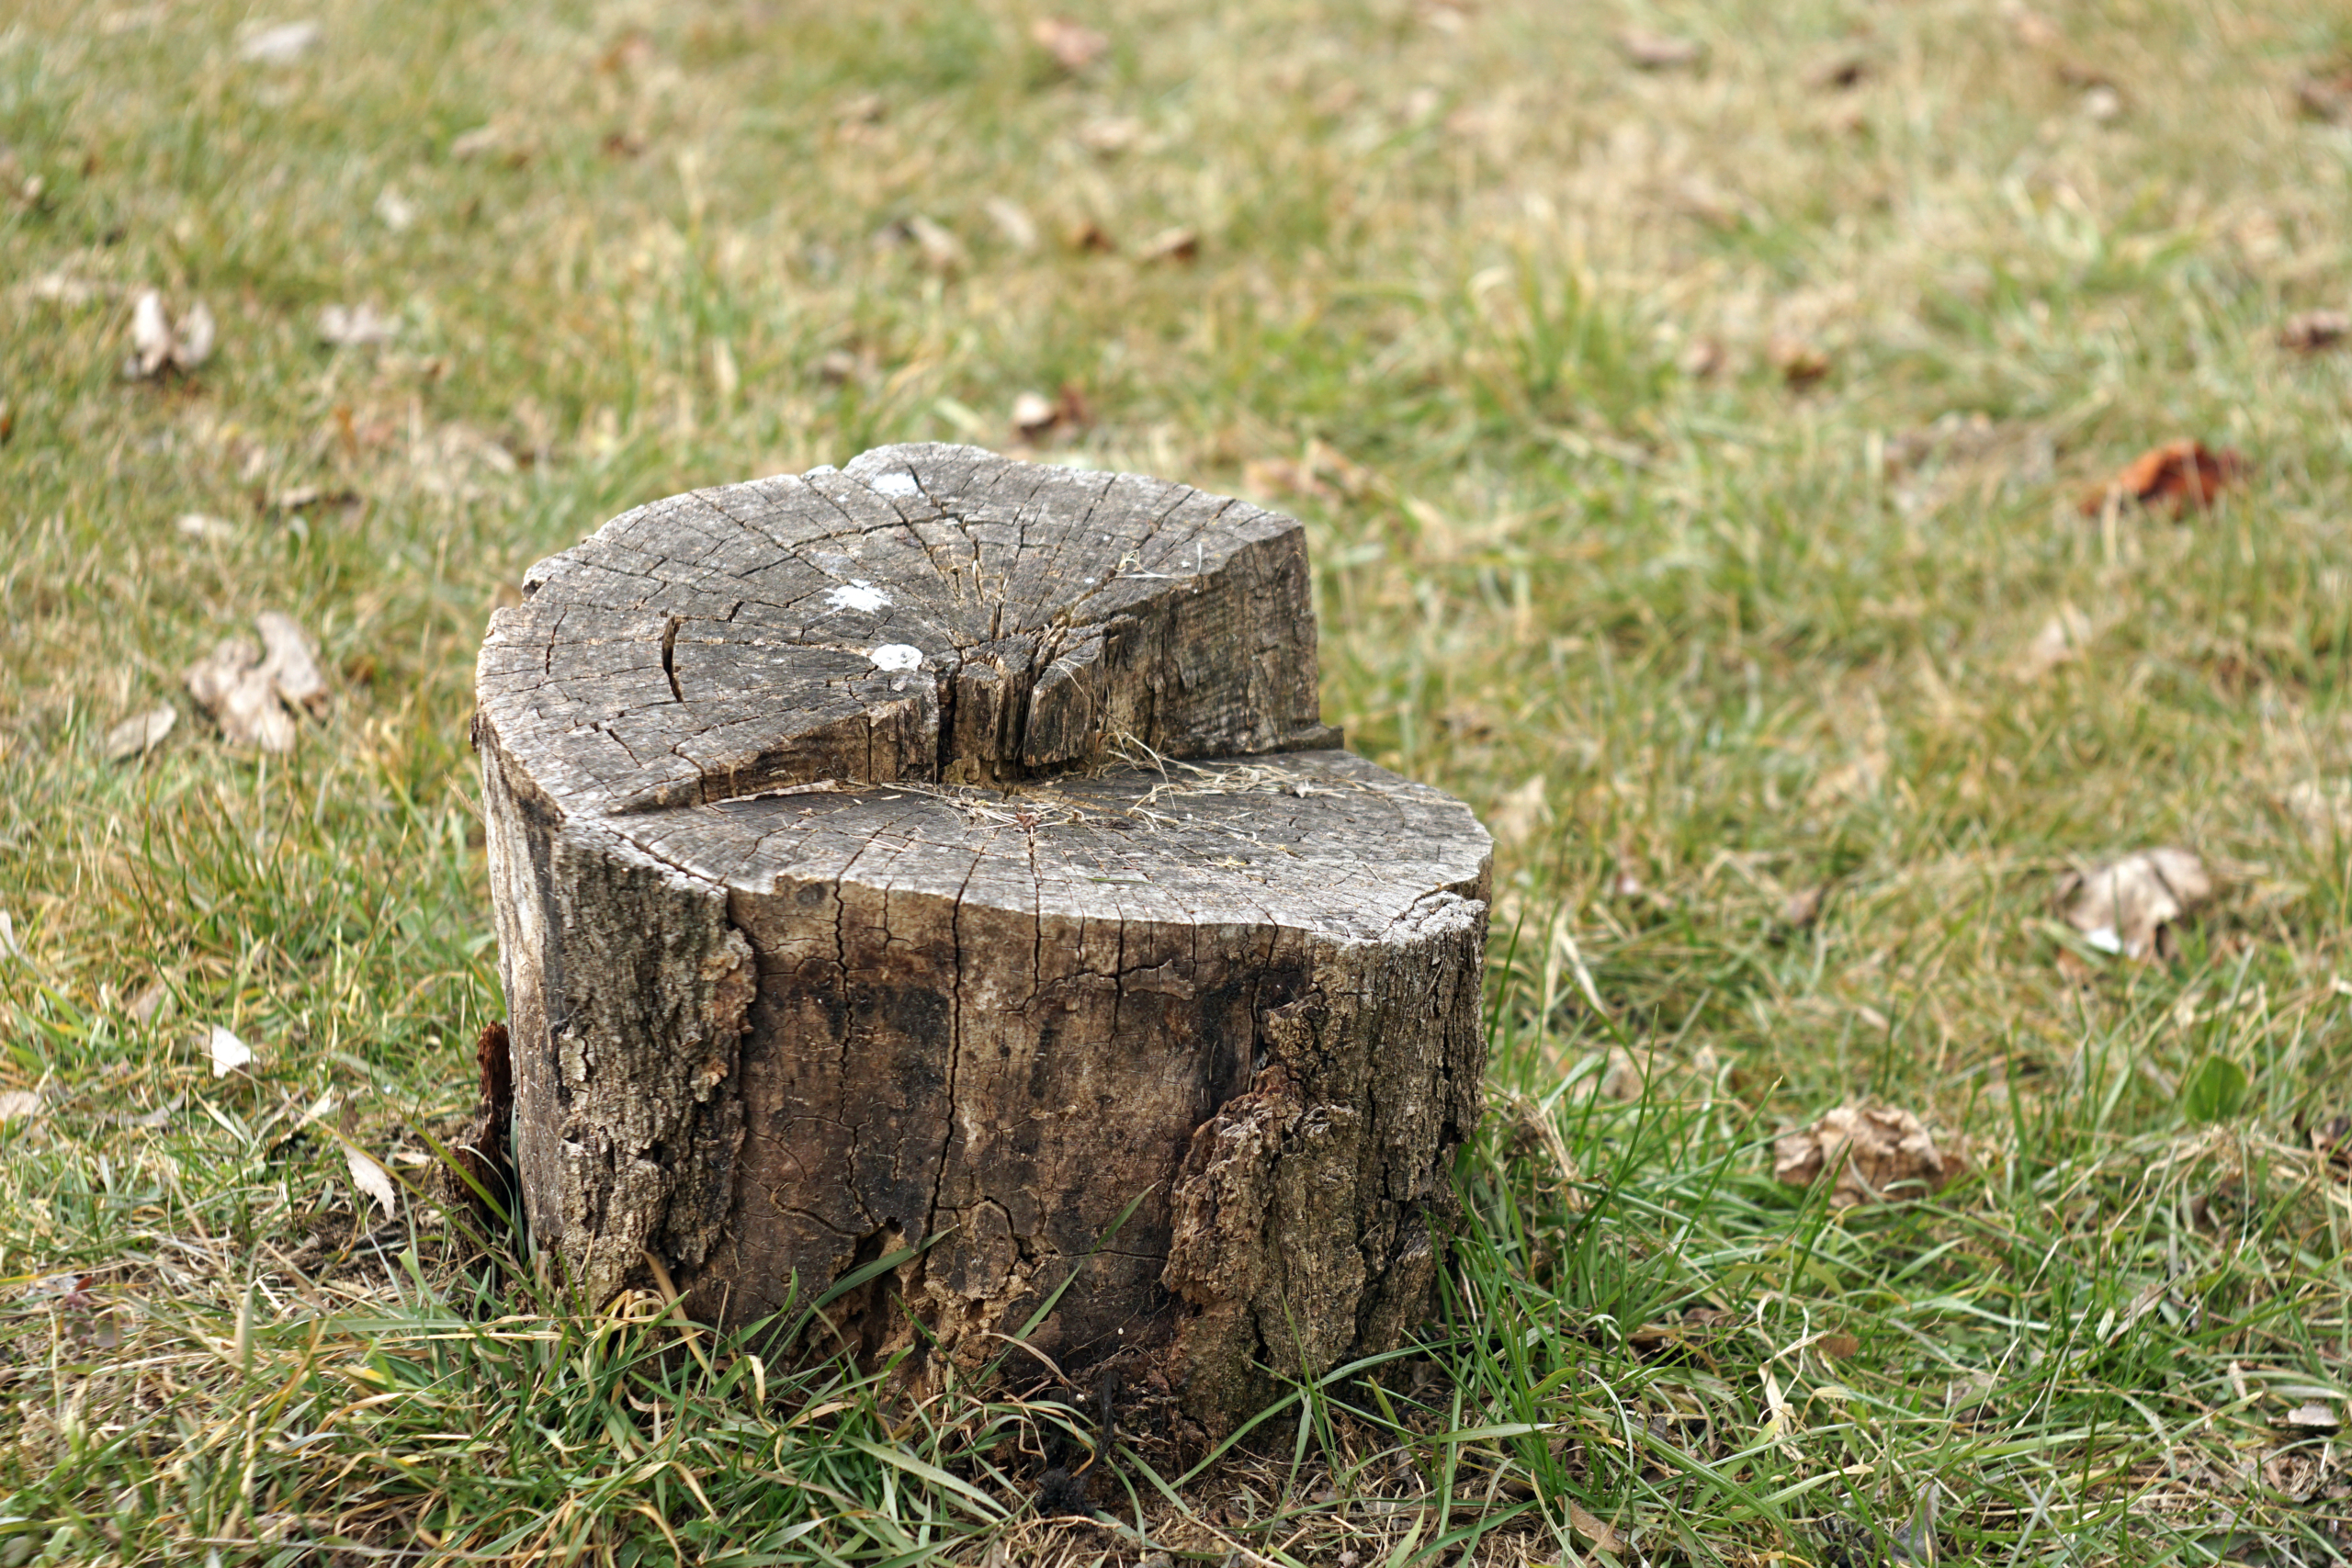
(830, 921)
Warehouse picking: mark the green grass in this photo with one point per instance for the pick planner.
(1696, 642)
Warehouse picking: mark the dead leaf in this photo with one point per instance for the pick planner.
(2316, 1416)
(357, 326)
(1012, 222)
(291, 661)
(1880, 1154)
(1604, 1538)
(370, 1177)
(1839, 1347)
(494, 139)
(2129, 906)
(230, 685)
(2183, 472)
(2314, 330)
(1519, 814)
(2327, 94)
(1627, 1078)
(1839, 72)
(1033, 414)
(19, 1105)
(1801, 908)
(1110, 135)
(158, 343)
(303, 498)
(1800, 361)
(839, 366)
(227, 1053)
(2030, 27)
(148, 1001)
(1647, 50)
(2321, 806)
(141, 732)
(1073, 47)
(1700, 358)
(1172, 244)
(394, 211)
(196, 525)
(2062, 639)
(1088, 235)
(279, 45)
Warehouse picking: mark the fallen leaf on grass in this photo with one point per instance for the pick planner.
(2317, 1416)
(279, 45)
(1110, 135)
(140, 732)
(1879, 1153)
(2130, 905)
(394, 211)
(1012, 222)
(227, 1053)
(1800, 361)
(356, 326)
(196, 525)
(19, 1105)
(2314, 330)
(1599, 1531)
(2184, 472)
(1700, 358)
(1802, 908)
(2063, 639)
(2030, 27)
(291, 663)
(1840, 1346)
(1839, 72)
(158, 343)
(2327, 94)
(1073, 47)
(229, 684)
(1172, 244)
(370, 1177)
(1519, 813)
(1091, 236)
(1033, 415)
(1647, 50)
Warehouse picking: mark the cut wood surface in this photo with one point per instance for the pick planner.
(945, 852)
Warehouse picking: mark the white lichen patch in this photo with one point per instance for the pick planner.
(896, 656)
(900, 483)
(859, 595)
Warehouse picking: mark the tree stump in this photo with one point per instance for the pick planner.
(947, 852)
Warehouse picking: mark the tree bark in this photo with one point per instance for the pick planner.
(947, 851)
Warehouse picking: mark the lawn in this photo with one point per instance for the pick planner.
(1704, 414)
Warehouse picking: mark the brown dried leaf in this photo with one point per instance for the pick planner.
(1172, 244)
(370, 1177)
(158, 344)
(2129, 906)
(1800, 361)
(1647, 50)
(1599, 1531)
(141, 732)
(1033, 414)
(357, 326)
(291, 661)
(2063, 639)
(1088, 235)
(1880, 1154)
(1839, 1347)
(1072, 46)
(2183, 472)
(2314, 330)
(230, 685)
(2327, 94)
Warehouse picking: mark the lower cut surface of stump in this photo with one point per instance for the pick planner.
(1189, 1042)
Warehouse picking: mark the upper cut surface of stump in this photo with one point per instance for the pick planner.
(927, 613)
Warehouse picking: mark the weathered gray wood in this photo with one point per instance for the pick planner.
(830, 922)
